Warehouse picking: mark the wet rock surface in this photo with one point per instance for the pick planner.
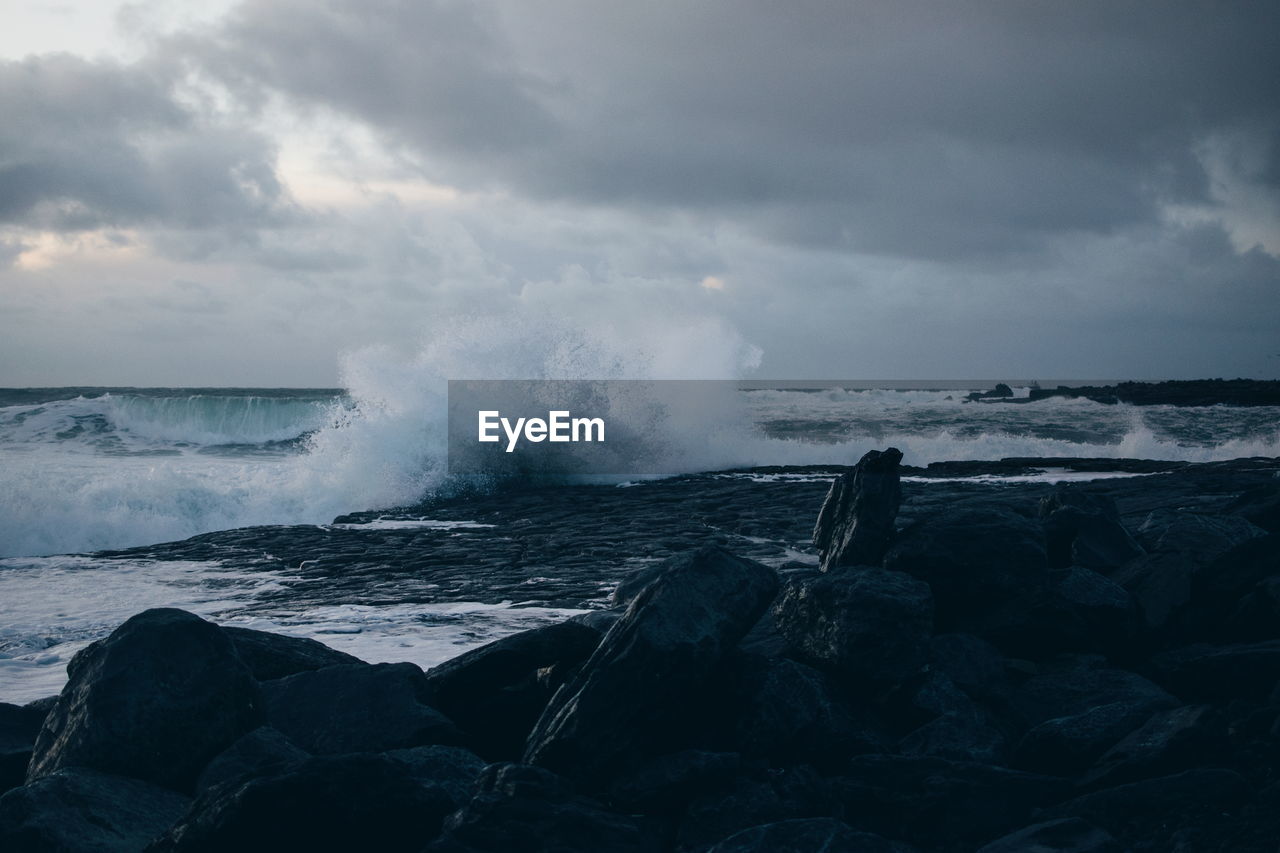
(1024, 667)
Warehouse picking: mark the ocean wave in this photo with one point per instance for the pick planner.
(137, 421)
(81, 474)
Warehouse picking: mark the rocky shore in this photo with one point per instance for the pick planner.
(1088, 667)
(1190, 392)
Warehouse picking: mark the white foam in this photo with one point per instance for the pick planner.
(410, 524)
(424, 634)
(51, 607)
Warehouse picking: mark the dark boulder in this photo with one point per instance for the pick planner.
(261, 752)
(1065, 746)
(451, 770)
(271, 656)
(1256, 616)
(19, 725)
(1260, 505)
(1202, 536)
(633, 691)
(1104, 610)
(1208, 673)
(975, 559)
(77, 809)
(1152, 813)
(1237, 595)
(1065, 835)
(494, 692)
(969, 736)
(330, 803)
(855, 524)
(1169, 741)
(1078, 689)
(973, 664)
(864, 624)
(931, 801)
(943, 721)
(786, 712)
(750, 799)
(1160, 585)
(807, 835)
(519, 807)
(357, 708)
(155, 700)
(1084, 529)
(668, 782)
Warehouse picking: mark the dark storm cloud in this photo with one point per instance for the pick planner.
(919, 129)
(90, 143)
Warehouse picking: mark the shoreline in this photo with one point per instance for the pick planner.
(1047, 648)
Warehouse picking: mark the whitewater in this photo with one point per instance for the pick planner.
(89, 469)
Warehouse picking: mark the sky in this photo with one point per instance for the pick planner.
(261, 193)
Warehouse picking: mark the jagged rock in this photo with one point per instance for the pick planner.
(494, 692)
(855, 524)
(807, 835)
(329, 803)
(633, 584)
(19, 726)
(1084, 529)
(1207, 673)
(77, 809)
(974, 559)
(633, 690)
(865, 624)
(519, 807)
(1065, 835)
(1169, 741)
(749, 799)
(155, 700)
(1065, 746)
(929, 801)
(357, 708)
(450, 769)
(261, 752)
(271, 656)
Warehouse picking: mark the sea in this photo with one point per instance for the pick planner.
(93, 469)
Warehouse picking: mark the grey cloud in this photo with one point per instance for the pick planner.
(88, 143)
(912, 128)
